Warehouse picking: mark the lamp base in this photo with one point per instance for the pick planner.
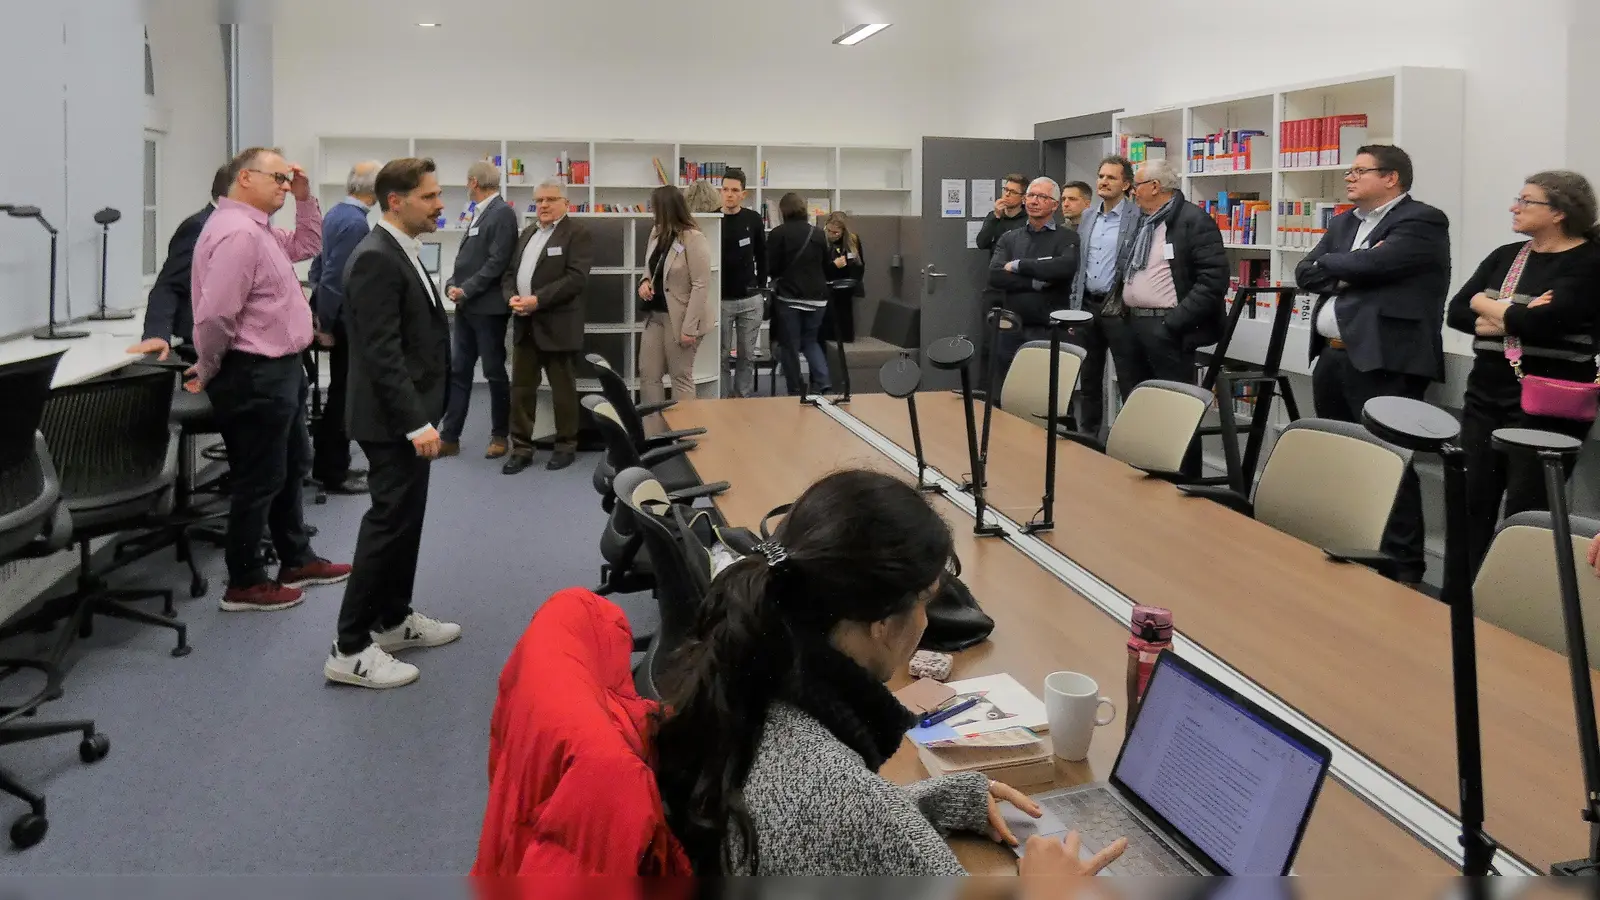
(1038, 527)
(52, 333)
(109, 315)
(1576, 868)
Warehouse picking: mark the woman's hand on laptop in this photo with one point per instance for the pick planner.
(1050, 857)
(998, 830)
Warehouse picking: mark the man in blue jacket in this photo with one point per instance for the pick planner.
(343, 227)
(481, 312)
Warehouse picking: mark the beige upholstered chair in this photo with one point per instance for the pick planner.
(1155, 427)
(1026, 391)
(1517, 588)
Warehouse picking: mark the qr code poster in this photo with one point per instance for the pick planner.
(953, 197)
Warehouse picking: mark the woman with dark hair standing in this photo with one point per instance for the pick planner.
(1545, 321)
(677, 303)
(798, 264)
(844, 262)
(777, 715)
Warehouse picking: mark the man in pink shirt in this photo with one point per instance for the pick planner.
(251, 322)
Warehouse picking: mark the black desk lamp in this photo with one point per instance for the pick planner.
(1000, 320)
(1422, 428)
(1060, 319)
(49, 332)
(955, 353)
(1553, 450)
(105, 218)
(900, 378)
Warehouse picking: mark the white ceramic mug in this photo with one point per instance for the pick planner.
(1072, 707)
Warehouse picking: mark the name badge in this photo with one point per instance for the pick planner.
(850, 256)
(677, 248)
(552, 251)
(744, 242)
(472, 232)
(1167, 252)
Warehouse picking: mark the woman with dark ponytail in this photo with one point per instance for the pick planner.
(1551, 314)
(776, 717)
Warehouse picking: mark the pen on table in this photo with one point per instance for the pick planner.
(939, 715)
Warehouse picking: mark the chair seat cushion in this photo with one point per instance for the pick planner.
(869, 353)
(193, 412)
(93, 516)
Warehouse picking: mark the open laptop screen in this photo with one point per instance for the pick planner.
(430, 258)
(1229, 778)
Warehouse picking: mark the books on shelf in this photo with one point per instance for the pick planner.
(690, 171)
(1243, 217)
(1229, 151)
(1136, 148)
(1303, 221)
(1323, 141)
(570, 171)
(763, 173)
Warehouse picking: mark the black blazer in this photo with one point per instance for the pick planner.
(1199, 275)
(558, 280)
(481, 262)
(1391, 315)
(399, 343)
(169, 312)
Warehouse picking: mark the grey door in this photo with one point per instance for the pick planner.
(952, 276)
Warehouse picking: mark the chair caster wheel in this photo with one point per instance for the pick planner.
(320, 499)
(199, 587)
(28, 829)
(182, 651)
(94, 748)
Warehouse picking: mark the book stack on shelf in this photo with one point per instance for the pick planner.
(690, 171)
(661, 171)
(1323, 141)
(1229, 151)
(1302, 221)
(1242, 216)
(1136, 148)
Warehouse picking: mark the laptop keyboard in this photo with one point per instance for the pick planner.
(1100, 819)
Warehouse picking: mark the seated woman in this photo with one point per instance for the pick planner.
(1555, 322)
(777, 717)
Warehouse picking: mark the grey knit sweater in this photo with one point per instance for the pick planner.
(818, 809)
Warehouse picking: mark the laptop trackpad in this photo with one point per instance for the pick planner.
(1025, 826)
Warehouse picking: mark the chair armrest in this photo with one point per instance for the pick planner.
(1078, 437)
(694, 493)
(1181, 479)
(668, 437)
(1385, 564)
(650, 409)
(662, 454)
(1226, 496)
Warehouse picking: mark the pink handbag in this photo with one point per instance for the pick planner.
(1541, 396)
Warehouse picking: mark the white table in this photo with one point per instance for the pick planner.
(104, 350)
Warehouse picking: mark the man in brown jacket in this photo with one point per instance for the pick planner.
(544, 289)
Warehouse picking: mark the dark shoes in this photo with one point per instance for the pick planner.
(517, 462)
(351, 485)
(560, 459)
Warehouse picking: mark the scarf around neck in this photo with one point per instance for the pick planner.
(854, 706)
(1139, 250)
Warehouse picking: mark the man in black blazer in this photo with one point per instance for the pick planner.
(399, 379)
(544, 288)
(168, 313)
(481, 312)
(1382, 274)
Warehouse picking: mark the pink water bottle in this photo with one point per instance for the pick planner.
(1151, 633)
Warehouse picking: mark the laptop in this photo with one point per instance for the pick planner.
(431, 251)
(1207, 782)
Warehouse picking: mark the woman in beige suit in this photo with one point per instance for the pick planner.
(678, 307)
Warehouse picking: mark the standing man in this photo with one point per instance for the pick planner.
(481, 312)
(1009, 212)
(1103, 237)
(1381, 274)
(544, 287)
(342, 229)
(1075, 198)
(744, 274)
(1033, 266)
(399, 376)
(251, 323)
(169, 313)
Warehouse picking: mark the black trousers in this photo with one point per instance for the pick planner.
(261, 413)
(1092, 376)
(330, 457)
(478, 336)
(1339, 390)
(384, 571)
(1144, 349)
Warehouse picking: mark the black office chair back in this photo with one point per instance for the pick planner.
(615, 389)
(25, 386)
(29, 489)
(677, 593)
(111, 436)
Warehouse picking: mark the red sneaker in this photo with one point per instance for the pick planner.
(264, 597)
(318, 571)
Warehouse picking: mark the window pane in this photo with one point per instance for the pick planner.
(149, 173)
(149, 242)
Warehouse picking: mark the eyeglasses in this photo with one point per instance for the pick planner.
(1358, 171)
(1137, 184)
(548, 199)
(1011, 192)
(1034, 196)
(1521, 202)
(282, 178)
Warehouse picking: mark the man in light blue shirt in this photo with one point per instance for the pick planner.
(1107, 227)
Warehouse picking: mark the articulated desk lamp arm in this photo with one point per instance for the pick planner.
(50, 332)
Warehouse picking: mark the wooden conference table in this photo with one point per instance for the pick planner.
(1362, 656)
(770, 450)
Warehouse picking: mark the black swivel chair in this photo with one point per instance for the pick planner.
(677, 474)
(677, 592)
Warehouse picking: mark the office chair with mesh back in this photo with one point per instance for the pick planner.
(1330, 484)
(1025, 392)
(664, 459)
(117, 456)
(615, 389)
(1154, 429)
(677, 595)
(1517, 588)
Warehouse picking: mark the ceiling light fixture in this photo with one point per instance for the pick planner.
(858, 34)
(427, 24)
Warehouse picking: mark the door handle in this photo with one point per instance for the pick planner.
(929, 273)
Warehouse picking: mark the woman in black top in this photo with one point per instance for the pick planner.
(1556, 316)
(798, 263)
(844, 262)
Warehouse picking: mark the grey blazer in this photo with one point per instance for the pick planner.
(483, 259)
(818, 810)
(1086, 230)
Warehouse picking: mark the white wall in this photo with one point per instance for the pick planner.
(191, 108)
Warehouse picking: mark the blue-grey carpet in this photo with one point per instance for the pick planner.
(240, 759)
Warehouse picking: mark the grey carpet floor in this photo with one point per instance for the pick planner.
(240, 759)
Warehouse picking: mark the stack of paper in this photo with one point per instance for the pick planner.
(1014, 756)
(1003, 704)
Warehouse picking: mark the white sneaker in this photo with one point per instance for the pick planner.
(417, 631)
(372, 668)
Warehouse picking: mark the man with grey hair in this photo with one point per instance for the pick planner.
(1033, 266)
(1171, 278)
(342, 229)
(481, 312)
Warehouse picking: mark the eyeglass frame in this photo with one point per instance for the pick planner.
(1033, 196)
(1358, 171)
(284, 179)
(1520, 202)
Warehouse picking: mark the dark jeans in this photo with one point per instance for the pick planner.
(330, 458)
(261, 413)
(1092, 376)
(384, 570)
(478, 336)
(527, 362)
(800, 328)
(1339, 390)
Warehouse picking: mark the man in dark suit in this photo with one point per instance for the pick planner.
(481, 312)
(544, 288)
(168, 313)
(1381, 273)
(399, 379)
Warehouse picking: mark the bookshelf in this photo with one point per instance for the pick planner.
(1417, 108)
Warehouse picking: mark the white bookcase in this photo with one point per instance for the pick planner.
(1418, 109)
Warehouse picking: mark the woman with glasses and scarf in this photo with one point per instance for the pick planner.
(1533, 307)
